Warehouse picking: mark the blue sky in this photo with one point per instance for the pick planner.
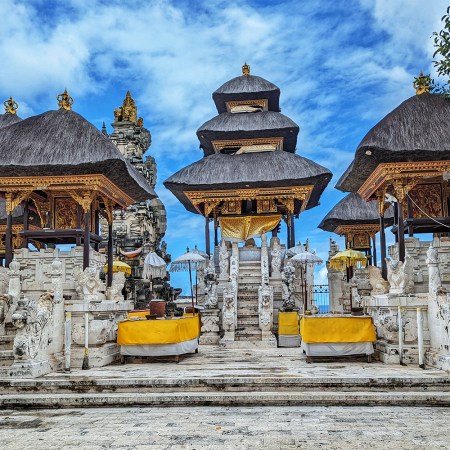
(341, 66)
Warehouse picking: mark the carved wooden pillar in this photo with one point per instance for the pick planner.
(374, 250)
(216, 236)
(292, 230)
(79, 220)
(97, 228)
(382, 207)
(207, 238)
(8, 240)
(109, 277)
(409, 216)
(26, 224)
(86, 238)
(288, 231)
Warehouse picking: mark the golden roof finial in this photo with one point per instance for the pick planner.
(65, 101)
(11, 106)
(127, 112)
(422, 84)
(245, 70)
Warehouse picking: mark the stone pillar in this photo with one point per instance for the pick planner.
(110, 255)
(210, 327)
(86, 238)
(207, 238)
(8, 240)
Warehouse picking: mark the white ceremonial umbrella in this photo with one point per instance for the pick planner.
(154, 266)
(200, 252)
(299, 248)
(188, 261)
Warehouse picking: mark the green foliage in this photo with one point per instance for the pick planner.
(442, 46)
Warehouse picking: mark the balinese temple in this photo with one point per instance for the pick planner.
(405, 159)
(249, 182)
(359, 222)
(139, 228)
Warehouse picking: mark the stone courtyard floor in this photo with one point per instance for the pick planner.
(386, 428)
(207, 425)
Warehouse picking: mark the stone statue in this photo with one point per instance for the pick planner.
(118, 283)
(410, 330)
(88, 284)
(401, 276)
(276, 259)
(15, 285)
(434, 277)
(4, 297)
(229, 310)
(378, 283)
(287, 279)
(31, 319)
(223, 261)
(211, 285)
(265, 308)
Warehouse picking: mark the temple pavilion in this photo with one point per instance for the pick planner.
(57, 169)
(249, 180)
(405, 159)
(359, 222)
(250, 177)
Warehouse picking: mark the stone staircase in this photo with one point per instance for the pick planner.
(249, 281)
(6, 350)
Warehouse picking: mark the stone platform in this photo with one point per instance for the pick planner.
(222, 376)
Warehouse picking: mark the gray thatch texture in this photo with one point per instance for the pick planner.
(417, 130)
(8, 119)
(354, 210)
(249, 170)
(247, 126)
(248, 87)
(63, 143)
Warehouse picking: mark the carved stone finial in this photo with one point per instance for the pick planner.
(11, 106)
(65, 101)
(245, 70)
(422, 84)
(128, 111)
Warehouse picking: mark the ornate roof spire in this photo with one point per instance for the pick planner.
(127, 112)
(65, 101)
(245, 69)
(11, 106)
(422, 83)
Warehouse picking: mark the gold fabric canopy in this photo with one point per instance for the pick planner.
(243, 228)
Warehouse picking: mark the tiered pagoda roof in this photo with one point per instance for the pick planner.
(353, 210)
(417, 130)
(249, 145)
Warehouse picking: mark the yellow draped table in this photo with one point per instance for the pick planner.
(288, 329)
(337, 336)
(164, 337)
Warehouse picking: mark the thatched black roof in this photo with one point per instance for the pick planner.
(354, 210)
(248, 126)
(249, 170)
(64, 143)
(247, 87)
(417, 130)
(8, 119)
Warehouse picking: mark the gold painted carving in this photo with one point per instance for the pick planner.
(128, 112)
(65, 101)
(11, 106)
(245, 70)
(232, 207)
(93, 182)
(13, 200)
(108, 210)
(385, 173)
(428, 198)
(221, 144)
(84, 199)
(65, 213)
(422, 84)
(266, 206)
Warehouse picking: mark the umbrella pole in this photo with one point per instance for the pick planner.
(190, 279)
(196, 285)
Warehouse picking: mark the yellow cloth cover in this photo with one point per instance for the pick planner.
(243, 228)
(142, 314)
(288, 324)
(169, 331)
(337, 329)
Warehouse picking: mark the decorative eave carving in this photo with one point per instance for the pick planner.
(263, 103)
(405, 173)
(285, 195)
(368, 228)
(23, 187)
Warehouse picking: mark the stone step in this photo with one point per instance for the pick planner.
(6, 357)
(78, 385)
(312, 398)
(248, 331)
(247, 321)
(6, 342)
(247, 310)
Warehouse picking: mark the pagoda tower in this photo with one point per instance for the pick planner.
(248, 181)
(138, 229)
